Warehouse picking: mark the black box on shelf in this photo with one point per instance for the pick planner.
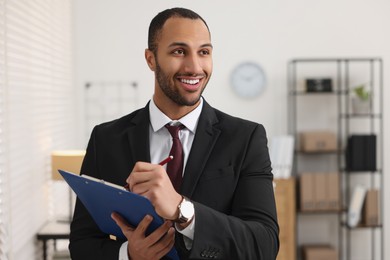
(319, 85)
(361, 153)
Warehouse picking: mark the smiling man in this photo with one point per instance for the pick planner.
(182, 62)
(216, 195)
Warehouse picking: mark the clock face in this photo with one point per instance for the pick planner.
(248, 80)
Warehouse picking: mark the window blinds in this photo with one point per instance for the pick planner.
(37, 113)
(3, 200)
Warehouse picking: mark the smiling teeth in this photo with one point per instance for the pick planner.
(190, 81)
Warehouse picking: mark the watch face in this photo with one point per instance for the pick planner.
(248, 80)
(187, 209)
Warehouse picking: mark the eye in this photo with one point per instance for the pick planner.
(205, 52)
(178, 52)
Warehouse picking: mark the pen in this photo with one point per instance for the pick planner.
(163, 162)
(166, 160)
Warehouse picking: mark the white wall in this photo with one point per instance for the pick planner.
(110, 38)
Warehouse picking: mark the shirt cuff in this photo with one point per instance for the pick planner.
(123, 252)
(188, 233)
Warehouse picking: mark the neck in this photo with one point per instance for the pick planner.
(173, 110)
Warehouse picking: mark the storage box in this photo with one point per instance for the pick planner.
(319, 85)
(319, 253)
(318, 141)
(321, 191)
(361, 153)
(306, 187)
(333, 193)
(371, 212)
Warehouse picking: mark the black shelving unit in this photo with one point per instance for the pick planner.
(336, 105)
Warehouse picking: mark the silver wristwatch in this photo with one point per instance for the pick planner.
(186, 211)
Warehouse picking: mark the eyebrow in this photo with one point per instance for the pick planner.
(174, 44)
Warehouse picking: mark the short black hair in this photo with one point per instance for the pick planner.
(159, 20)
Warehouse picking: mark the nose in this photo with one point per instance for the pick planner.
(193, 64)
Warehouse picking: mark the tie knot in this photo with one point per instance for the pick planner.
(174, 129)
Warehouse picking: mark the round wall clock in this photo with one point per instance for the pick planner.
(248, 79)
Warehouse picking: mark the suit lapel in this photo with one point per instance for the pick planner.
(205, 138)
(138, 136)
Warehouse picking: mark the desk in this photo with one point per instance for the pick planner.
(53, 230)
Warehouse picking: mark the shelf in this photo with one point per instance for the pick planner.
(330, 93)
(320, 212)
(357, 59)
(334, 110)
(305, 93)
(361, 116)
(319, 152)
(360, 226)
(378, 171)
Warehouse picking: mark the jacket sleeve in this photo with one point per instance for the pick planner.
(249, 230)
(86, 240)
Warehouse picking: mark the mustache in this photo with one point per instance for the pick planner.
(191, 75)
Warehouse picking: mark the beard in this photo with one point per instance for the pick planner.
(171, 92)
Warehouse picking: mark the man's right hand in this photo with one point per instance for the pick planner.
(154, 246)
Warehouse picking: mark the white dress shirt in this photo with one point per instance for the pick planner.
(160, 146)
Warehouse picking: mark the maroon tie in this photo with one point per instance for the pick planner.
(175, 167)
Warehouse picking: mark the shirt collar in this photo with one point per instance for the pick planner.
(158, 119)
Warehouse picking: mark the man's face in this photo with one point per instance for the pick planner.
(183, 61)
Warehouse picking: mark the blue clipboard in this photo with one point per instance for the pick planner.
(102, 198)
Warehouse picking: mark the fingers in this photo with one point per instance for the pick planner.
(161, 240)
(152, 182)
(144, 173)
(159, 232)
(155, 245)
(140, 168)
(143, 225)
(166, 243)
(138, 184)
(122, 223)
(141, 188)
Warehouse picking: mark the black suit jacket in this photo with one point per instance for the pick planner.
(227, 176)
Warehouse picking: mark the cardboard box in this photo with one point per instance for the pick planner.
(321, 191)
(307, 196)
(285, 198)
(318, 141)
(319, 252)
(333, 193)
(371, 213)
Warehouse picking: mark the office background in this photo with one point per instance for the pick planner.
(73, 44)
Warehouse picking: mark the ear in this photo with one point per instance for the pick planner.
(150, 59)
